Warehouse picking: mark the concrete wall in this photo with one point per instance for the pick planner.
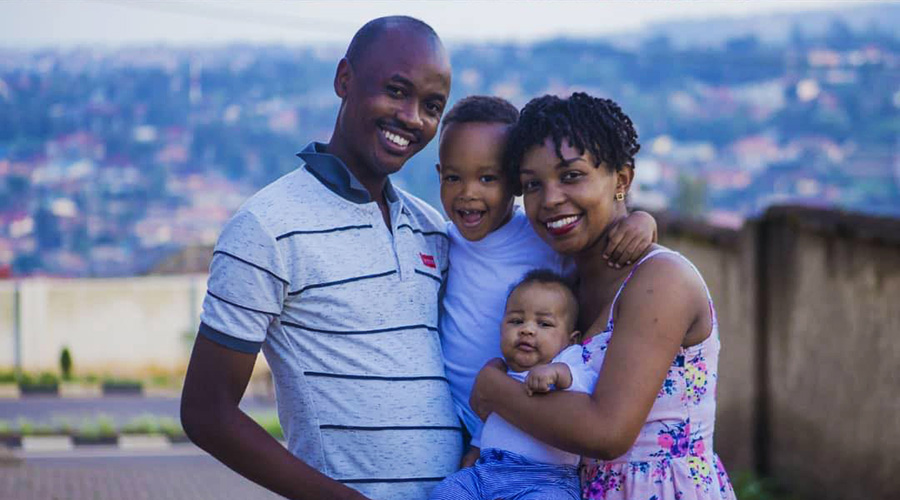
(809, 388)
(118, 326)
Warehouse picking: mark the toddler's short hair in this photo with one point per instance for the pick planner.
(482, 109)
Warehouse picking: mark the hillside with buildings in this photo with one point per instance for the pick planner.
(113, 160)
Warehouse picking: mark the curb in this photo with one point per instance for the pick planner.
(57, 443)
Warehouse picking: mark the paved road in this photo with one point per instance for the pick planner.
(120, 408)
(182, 473)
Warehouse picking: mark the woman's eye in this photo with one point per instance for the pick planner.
(571, 175)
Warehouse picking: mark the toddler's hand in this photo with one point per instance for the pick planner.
(540, 379)
(629, 238)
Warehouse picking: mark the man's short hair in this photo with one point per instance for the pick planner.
(369, 33)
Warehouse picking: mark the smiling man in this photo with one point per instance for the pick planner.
(334, 274)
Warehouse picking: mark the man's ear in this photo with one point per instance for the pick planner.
(342, 78)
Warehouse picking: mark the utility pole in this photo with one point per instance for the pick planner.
(17, 328)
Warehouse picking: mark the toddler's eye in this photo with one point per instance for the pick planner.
(451, 178)
(546, 324)
(529, 186)
(488, 178)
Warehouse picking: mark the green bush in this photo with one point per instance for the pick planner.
(171, 427)
(7, 377)
(144, 424)
(43, 379)
(269, 422)
(100, 427)
(29, 428)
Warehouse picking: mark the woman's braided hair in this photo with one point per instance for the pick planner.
(591, 124)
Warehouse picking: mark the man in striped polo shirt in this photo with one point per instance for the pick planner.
(334, 273)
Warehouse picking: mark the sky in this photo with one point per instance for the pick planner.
(113, 23)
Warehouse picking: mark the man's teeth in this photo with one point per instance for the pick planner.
(396, 139)
(558, 223)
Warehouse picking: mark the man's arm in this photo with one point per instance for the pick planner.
(216, 380)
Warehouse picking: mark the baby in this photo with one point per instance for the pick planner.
(536, 339)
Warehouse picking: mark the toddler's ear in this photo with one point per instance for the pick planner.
(437, 168)
(575, 337)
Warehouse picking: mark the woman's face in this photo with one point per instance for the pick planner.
(570, 201)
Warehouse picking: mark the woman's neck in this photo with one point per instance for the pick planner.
(590, 262)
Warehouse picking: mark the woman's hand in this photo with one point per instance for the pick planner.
(629, 238)
(482, 388)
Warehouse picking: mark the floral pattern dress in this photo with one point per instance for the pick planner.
(672, 458)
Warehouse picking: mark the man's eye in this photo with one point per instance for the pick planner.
(395, 91)
(433, 108)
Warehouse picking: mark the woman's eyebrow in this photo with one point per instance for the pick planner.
(567, 162)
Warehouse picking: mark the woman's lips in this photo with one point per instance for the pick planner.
(562, 225)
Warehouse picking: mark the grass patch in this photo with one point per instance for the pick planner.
(749, 486)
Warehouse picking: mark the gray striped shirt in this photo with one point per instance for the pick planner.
(346, 313)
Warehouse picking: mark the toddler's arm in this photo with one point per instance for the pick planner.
(542, 378)
(629, 238)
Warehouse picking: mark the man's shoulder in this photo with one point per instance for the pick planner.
(428, 218)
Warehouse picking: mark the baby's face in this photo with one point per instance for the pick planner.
(537, 325)
(474, 189)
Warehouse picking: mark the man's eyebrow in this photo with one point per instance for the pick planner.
(397, 77)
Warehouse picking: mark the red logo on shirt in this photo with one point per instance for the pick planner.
(428, 260)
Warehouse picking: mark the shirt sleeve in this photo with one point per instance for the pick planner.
(247, 285)
(584, 378)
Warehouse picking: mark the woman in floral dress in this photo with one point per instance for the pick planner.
(646, 432)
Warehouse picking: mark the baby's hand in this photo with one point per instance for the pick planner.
(541, 379)
(629, 238)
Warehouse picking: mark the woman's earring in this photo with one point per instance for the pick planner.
(620, 196)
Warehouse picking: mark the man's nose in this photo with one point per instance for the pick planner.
(410, 115)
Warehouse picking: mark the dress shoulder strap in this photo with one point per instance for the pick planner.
(645, 258)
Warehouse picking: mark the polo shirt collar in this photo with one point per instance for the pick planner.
(334, 174)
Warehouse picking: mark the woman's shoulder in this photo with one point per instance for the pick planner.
(662, 272)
